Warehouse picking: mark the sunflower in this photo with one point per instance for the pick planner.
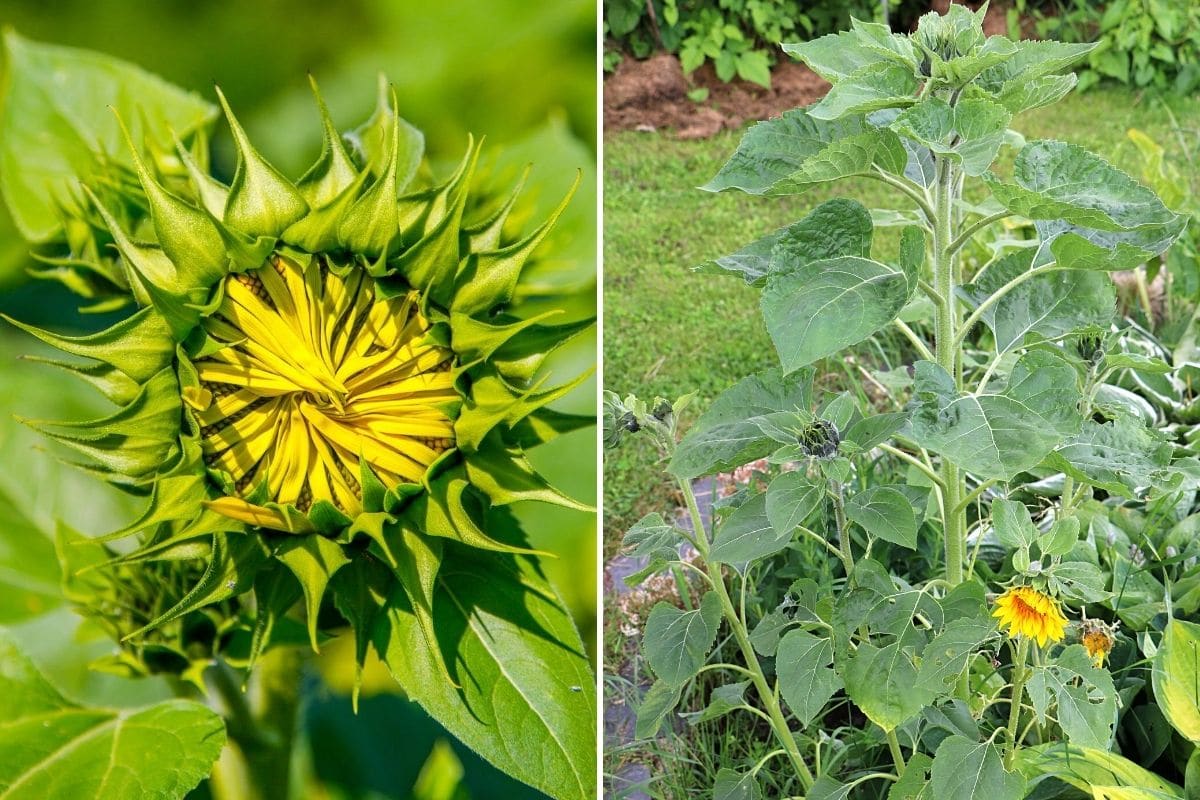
(333, 374)
(1098, 638)
(1025, 611)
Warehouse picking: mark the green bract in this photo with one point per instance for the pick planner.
(325, 389)
(992, 416)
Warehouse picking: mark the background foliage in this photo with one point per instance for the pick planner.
(454, 70)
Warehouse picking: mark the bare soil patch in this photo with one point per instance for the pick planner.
(652, 95)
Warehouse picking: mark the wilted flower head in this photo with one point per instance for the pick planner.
(1025, 611)
(337, 373)
(1098, 638)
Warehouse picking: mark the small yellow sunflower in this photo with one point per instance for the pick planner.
(1024, 610)
(1098, 638)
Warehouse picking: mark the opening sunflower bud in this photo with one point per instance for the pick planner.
(332, 377)
(316, 375)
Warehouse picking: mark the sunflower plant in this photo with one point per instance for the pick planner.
(995, 669)
(324, 391)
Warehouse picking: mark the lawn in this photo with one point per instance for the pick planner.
(668, 331)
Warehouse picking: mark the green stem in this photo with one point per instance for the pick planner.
(1020, 674)
(769, 699)
(839, 516)
(946, 348)
(897, 755)
(261, 726)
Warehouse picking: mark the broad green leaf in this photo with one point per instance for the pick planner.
(791, 497)
(733, 785)
(722, 701)
(653, 540)
(1014, 527)
(914, 783)
(835, 56)
(967, 770)
(676, 642)
(766, 634)
(945, 658)
(1048, 306)
(1121, 456)
(838, 227)
(726, 436)
(1086, 711)
(523, 698)
(969, 134)
(1032, 60)
(826, 787)
(883, 683)
(1073, 247)
(997, 435)
(1081, 581)
(57, 127)
(1061, 538)
(1089, 769)
(825, 306)
(804, 664)
(885, 84)
(895, 47)
(747, 535)
(658, 701)
(875, 429)
(1176, 678)
(1056, 180)
(55, 749)
(1047, 90)
(787, 154)
(885, 513)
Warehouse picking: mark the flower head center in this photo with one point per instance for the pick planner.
(312, 372)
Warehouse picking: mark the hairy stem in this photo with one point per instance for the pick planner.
(1020, 674)
(768, 697)
(839, 515)
(261, 725)
(946, 348)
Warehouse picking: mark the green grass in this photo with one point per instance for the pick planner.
(668, 331)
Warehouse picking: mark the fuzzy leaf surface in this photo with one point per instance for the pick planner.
(727, 436)
(55, 749)
(677, 642)
(825, 306)
(1048, 305)
(885, 513)
(997, 434)
(748, 535)
(804, 663)
(967, 770)
(838, 227)
(788, 154)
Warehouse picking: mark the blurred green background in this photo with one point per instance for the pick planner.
(526, 78)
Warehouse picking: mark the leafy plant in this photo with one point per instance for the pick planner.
(1143, 43)
(1013, 661)
(324, 392)
(738, 37)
